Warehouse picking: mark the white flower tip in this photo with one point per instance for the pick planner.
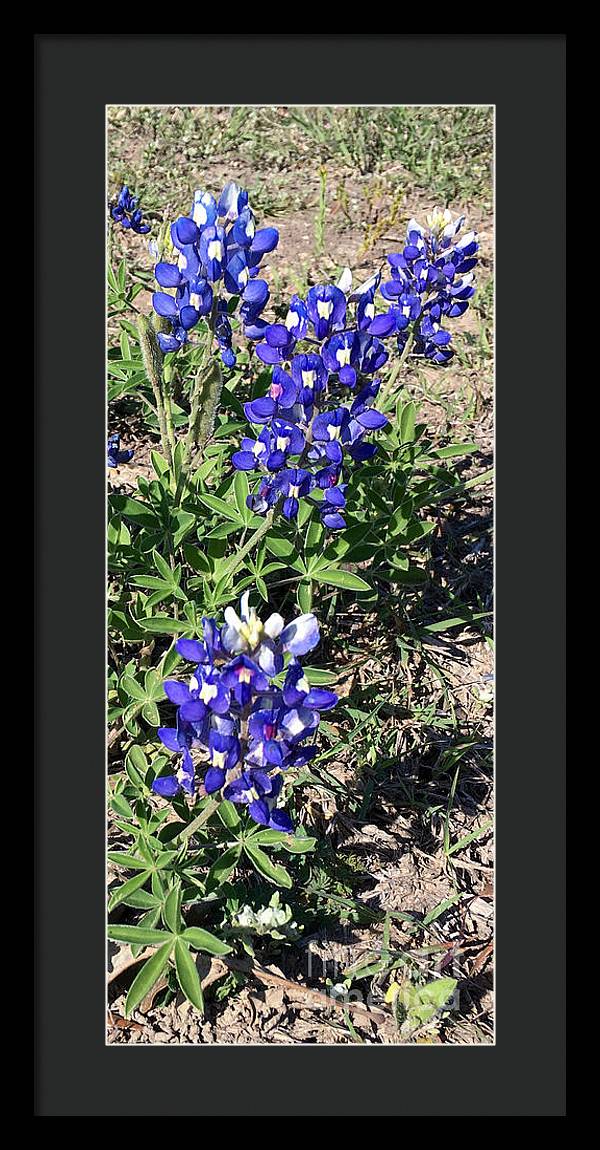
(232, 618)
(345, 281)
(274, 626)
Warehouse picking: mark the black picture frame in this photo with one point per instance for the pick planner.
(524, 77)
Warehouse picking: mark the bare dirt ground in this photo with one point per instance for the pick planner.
(439, 721)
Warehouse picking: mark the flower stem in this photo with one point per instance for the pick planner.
(388, 387)
(200, 819)
(237, 559)
(152, 358)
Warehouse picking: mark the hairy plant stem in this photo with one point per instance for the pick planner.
(198, 396)
(152, 359)
(237, 559)
(200, 819)
(388, 387)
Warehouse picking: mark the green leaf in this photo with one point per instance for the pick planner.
(282, 548)
(336, 577)
(304, 595)
(215, 504)
(441, 908)
(241, 490)
(133, 509)
(121, 806)
(196, 560)
(223, 867)
(317, 677)
(187, 975)
(150, 713)
(132, 687)
(184, 522)
(417, 1005)
(228, 814)
(407, 423)
(294, 845)
(127, 888)
(162, 567)
(141, 900)
(148, 976)
(121, 858)
(163, 625)
(159, 464)
(137, 761)
(470, 838)
(273, 872)
(297, 846)
(457, 621)
(203, 940)
(455, 449)
(172, 909)
(140, 935)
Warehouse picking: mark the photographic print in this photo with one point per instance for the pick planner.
(300, 658)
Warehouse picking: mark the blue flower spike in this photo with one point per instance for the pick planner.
(312, 432)
(125, 211)
(217, 255)
(237, 729)
(114, 455)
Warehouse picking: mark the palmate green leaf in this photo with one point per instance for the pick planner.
(187, 975)
(273, 872)
(142, 935)
(337, 577)
(148, 976)
(203, 940)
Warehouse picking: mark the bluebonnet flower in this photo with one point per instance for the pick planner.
(346, 332)
(248, 729)
(432, 280)
(218, 249)
(114, 455)
(259, 791)
(127, 213)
